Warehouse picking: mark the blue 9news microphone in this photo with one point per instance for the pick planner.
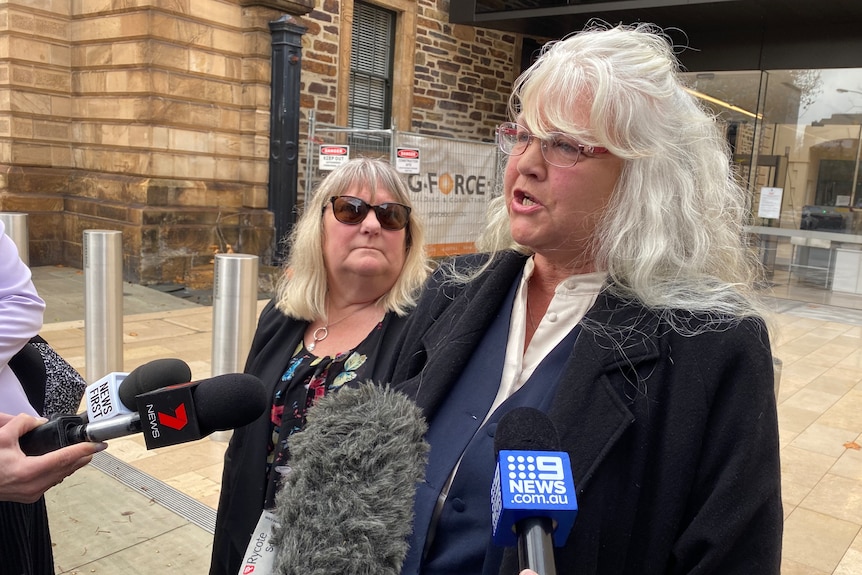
(533, 502)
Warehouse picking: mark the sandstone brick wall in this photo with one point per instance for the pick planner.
(463, 75)
(460, 76)
(152, 116)
(148, 117)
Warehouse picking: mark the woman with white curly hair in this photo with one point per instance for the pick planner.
(615, 294)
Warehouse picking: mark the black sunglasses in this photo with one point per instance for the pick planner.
(352, 211)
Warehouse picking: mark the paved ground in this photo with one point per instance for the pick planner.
(63, 291)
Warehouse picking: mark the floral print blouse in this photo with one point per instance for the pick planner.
(306, 379)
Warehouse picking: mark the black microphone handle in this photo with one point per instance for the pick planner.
(65, 430)
(536, 545)
(58, 432)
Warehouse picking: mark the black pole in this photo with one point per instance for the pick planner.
(284, 128)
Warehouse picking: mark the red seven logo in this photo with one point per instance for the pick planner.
(177, 421)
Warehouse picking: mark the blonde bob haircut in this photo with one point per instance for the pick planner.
(301, 290)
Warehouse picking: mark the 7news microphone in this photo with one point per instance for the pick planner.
(110, 396)
(533, 502)
(166, 416)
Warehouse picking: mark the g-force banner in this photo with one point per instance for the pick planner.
(452, 190)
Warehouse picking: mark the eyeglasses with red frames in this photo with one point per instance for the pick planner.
(352, 211)
(558, 150)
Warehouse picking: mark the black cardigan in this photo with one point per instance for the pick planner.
(243, 485)
(673, 439)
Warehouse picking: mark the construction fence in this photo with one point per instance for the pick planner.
(451, 181)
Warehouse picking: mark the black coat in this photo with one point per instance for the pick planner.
(243, 486)
(673, 440)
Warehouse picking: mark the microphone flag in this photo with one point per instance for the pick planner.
(103, 397)
(529, 484)
(168, 415)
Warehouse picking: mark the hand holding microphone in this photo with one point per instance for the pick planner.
(36, 454)
(107, 398)
(166, 416)
(24, 479)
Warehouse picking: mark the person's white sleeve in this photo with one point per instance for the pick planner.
(21, 314)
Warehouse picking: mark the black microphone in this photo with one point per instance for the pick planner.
(115, 393)
(346, 505)
(166, 416)
(533, 495)
(151, 376)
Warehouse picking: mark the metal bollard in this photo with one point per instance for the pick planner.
(234, 315)
(234, 311)
(103, 302)
(17, 229)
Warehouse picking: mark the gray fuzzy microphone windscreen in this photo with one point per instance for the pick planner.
(346, 506)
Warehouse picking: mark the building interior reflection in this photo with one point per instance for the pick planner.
(795, 136)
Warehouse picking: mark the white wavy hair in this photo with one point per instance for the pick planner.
(672, 237)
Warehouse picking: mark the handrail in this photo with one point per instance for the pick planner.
(808, 234)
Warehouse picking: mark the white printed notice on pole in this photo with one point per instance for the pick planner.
(332, 156)
(770, 203)
(407, 160)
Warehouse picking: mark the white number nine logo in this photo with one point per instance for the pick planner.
(550, 467)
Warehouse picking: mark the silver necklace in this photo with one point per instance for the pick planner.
(320, 333)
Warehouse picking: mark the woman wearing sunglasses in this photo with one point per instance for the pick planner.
(357, 260)
(617, 297)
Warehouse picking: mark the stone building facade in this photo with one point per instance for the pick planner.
(153, 116)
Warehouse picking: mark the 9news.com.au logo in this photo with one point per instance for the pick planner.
(536, 479)
(532, 484)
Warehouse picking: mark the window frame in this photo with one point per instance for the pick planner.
(403, 63)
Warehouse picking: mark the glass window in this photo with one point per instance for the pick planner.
(371, 63)
(795, 137)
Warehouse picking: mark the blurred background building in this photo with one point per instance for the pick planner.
(198, 126)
